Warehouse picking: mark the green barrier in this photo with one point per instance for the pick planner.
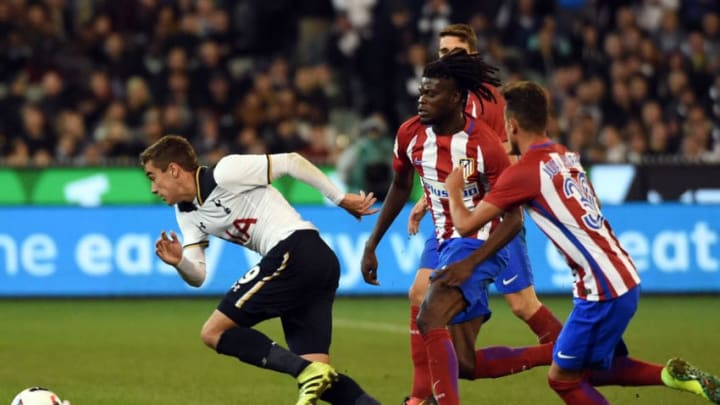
(13, 192)
(120, 186)
(92, 187)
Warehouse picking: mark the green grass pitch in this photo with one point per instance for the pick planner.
(148, 351)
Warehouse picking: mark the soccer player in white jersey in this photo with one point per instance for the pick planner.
(296, 278)
(552, 184)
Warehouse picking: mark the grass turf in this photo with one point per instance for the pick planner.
(148, 351)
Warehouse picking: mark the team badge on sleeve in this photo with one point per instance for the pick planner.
(468, 166)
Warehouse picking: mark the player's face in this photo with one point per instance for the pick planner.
(438, 98)
(449, 42)
(163, 183)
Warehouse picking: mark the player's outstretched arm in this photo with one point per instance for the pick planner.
(296, 166)
(397, 197)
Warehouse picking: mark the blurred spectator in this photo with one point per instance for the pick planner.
(92, 82)
(367, 163)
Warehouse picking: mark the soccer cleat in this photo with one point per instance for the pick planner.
(681, 375)
(417, 401)
(315, 379)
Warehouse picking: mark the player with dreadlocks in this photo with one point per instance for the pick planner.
(440, 138)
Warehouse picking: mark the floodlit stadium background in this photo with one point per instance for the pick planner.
(85, 85)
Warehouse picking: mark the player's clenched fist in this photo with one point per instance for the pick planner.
(369, 266)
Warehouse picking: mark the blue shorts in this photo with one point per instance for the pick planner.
(475, 288)
(592, 334)
(516, 276)
(429, 258)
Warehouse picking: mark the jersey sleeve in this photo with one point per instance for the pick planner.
(517, 185)
(240, 173)
(401, 161)
(192, 235)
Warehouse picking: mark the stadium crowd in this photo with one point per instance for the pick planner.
(92, 82)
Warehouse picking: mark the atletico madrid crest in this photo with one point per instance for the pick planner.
(468, 166)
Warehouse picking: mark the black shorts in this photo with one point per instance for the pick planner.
(296, 281)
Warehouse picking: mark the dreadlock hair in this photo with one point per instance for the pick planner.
(469, 71)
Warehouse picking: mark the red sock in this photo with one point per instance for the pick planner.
(421, 372)
(498, 361)
(628, 371)
(443, 366)
(544, 324)
(578, 392)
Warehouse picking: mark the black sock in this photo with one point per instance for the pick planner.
(252, 347)
(345, 391)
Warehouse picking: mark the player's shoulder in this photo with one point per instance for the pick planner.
(410, 126)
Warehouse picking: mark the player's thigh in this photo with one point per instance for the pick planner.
(429, 260)
(300, 266)
(441, 304)
(475, 288)
(308, 328)
(420, 285)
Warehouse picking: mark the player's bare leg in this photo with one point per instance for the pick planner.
(526, 306)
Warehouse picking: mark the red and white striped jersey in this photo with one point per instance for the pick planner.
(433, 156)
(550, 180)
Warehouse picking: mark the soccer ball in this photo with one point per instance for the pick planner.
(36, 396)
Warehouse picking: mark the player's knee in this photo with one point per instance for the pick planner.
(210, 336)
(416, 294)
(524, 306)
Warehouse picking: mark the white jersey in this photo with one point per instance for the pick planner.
(236, 202)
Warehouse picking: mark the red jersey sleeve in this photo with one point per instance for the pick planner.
(401, 160)
(517, 185)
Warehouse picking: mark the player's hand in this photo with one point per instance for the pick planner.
(453, 274)
(416, 215)
(369, 266)
(169, 249)
(359, 205)
(455, 180)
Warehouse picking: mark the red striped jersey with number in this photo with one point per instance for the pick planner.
(562, 202)
(491, 113)
(433, 156)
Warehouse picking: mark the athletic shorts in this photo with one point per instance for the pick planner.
(475, 288)
(516, 276)
(296, 282)
(592, 334)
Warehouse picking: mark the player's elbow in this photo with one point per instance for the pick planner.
(197, 279)
(464, 228)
